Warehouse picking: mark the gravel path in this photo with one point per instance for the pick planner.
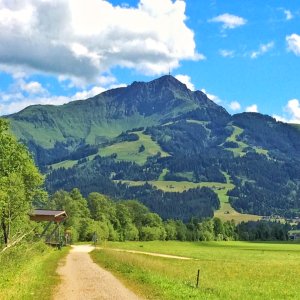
(83, 279)
(151, 254)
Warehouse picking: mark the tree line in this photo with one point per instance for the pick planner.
(129, 220)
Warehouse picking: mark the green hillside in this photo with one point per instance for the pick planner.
(132, 151)
(169, 147)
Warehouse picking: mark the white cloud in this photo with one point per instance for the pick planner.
(293, 107)
(252, 108)
(212, 97)
(20, 102)
(291, 112)
(83, 39)
(88, 93)
(229, 21)
(234, 105)
(280, 118)
(32, 87)
(226, 53)
(288, 14)
(22, 94)
(293, 43)
(186, 80)
(263, 48)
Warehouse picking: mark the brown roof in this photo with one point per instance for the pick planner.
(48, 215)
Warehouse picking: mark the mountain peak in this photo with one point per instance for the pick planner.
(165, 81)
(169, 81)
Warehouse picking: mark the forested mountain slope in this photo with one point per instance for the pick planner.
(175, 150)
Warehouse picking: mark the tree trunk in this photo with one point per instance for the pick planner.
(5, 232)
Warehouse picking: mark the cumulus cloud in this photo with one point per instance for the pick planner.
(288, 14)
(32, 87)
(280, 118)
(212, 97)
(234, 105)
(22, 94)
(293, 108)
(226, 53)
(263, 48)
(291, 112)
(83, 39)
(252, 108)
(293, 43)
(16, 102)
(186, 80)
(229, 21)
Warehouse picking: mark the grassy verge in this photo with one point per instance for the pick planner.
(235, 270)
(29, 271)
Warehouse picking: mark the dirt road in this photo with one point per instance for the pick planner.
(83, 279)
(152, 254)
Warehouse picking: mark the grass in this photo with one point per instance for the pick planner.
(129, 151)
(228, 270)
(233, 138)
(239, 151)
(204, 123)
(176, 186)
(226, 211)
(29, 271)
(163, 174)
(188, 175)
(64, 164)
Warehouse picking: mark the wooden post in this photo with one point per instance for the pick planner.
(198, 277)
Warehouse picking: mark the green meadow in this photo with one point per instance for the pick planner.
(226, 212)
(129, 151)
(239, 151)
(228, 270)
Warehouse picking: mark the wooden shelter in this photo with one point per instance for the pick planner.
(52, 217)
(48, 215)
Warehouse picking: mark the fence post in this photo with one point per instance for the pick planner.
(198, 277)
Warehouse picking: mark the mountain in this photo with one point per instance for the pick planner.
(173, 149)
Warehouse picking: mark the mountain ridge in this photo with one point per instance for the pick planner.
(161, 143)
(153, 101)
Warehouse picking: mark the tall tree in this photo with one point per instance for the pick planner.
(20, 184)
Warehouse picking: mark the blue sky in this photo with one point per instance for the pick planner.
(245, 54)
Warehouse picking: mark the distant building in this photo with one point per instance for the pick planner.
(294, 235)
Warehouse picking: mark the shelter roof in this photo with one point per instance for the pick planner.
(48, 215)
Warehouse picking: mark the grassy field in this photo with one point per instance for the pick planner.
(240, 150)
(29, 272)
(177, 186)
(228, 270)
(163, 174)
(226, 211)
(64, 164)
(233, 138)
(129, 151)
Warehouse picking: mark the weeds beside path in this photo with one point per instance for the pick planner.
(28, 271)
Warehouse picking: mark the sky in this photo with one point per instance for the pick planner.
(244, 54)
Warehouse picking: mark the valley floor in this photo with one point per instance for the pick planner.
(228, 270)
